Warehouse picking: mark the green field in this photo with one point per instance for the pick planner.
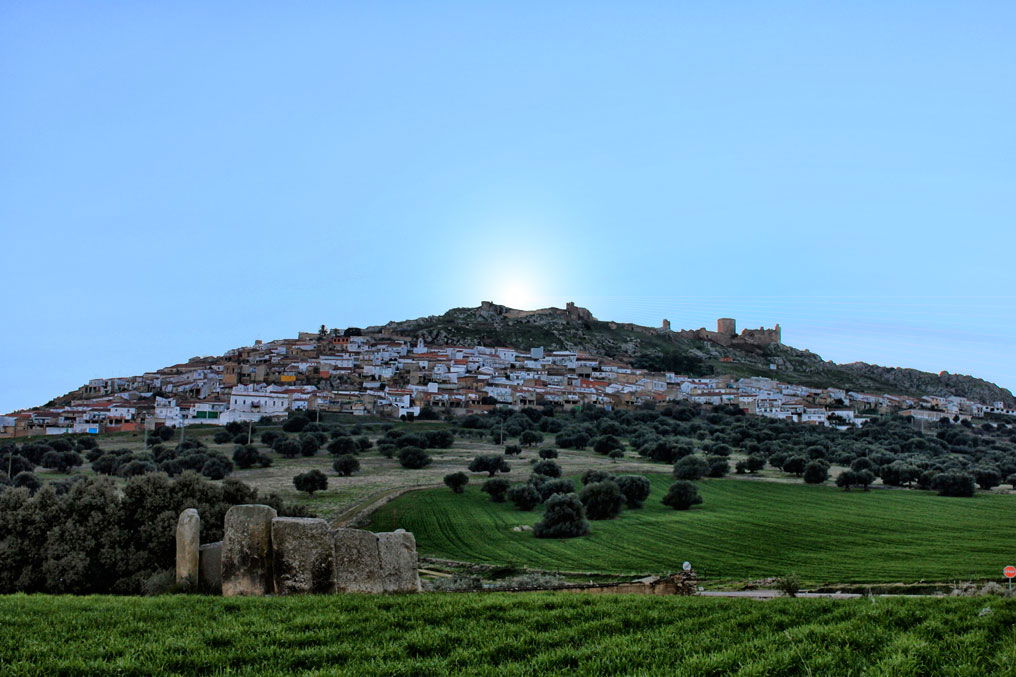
(743, 530)
(505, 634)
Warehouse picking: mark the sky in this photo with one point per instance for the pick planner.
(178, 179)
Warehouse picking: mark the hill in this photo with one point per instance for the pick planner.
(696, 352)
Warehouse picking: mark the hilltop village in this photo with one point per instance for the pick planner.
(388, 376)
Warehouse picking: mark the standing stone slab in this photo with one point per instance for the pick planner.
(399, 571)
(303, 556)
(188, 542)
(357, 561)
(210, 569)
(247, 550)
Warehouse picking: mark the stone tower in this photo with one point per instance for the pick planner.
(726, 326)
(666, 325)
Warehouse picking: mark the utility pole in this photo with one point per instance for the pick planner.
(250, 430)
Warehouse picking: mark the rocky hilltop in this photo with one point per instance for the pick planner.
(754, 352)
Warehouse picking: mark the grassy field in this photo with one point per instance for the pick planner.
(503, 634)
(743, 530)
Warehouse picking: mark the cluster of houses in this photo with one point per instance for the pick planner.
(390, 376)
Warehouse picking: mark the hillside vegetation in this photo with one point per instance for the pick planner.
(505, 634)
(743, 530)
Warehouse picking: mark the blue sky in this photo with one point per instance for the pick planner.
(177, 179)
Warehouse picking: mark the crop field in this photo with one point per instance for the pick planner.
(506, 634)
(743, 530)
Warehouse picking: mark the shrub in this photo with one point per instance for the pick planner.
(456, 481)
(755, 462)
(529, 438)
(606, 444)
(987, 477)
(222, 437)
(135, 468)
(288, 447)
(548, 488)
(413, 458)
(548, 453)
(27, 480)
(954, 483)
(268, 437)
(439, 439)
(216, 467)
(490, 464)
(591, 476)
(548, 468)
(246, 456)
(11, 464)
(295, 424)
(816, 472)
(311, 481)
(795, 465)
(346, 464)
(524, 496)
(634, 488)
(564, 518)
(61, 461)
(308, 445)
(789, 585)
(682, 495)
(342, 444)
(602, 500)
(690, 468)
(718, 466)
(855, 478)
(497, 488)
(512, 450)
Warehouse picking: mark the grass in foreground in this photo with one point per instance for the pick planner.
(743, 530)
(522, 634)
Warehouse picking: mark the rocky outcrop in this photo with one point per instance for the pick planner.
(943, 384)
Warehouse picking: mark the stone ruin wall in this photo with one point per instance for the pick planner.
(264, 554)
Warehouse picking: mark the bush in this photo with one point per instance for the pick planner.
(102, 537)
(11, 464)
(413, 458)
(268, 437)
(295, 424)
(548, 468)
(135, 468)
(548, 453)
(346, 464)
(816, 472)
(308, 445)
(564, 518)
(789, 585)
(954, 483)
(524, 496)
(690, 468)
(634, 488)
(987, 477)
(222, 437)
(287, 447)
(512, 450)
(795, 465)
(456, 481)
(606, 444)
(246, 456)
(529, 438)
(718, 466)
(682, 495)
(497, 488)
(28, 481)
(216, 467)
(591, 476)
(549, 487)
(602, 500)
(490, 464)
(61, 461)
(855, 478)
(311, 481)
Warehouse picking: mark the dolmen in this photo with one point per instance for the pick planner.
(264, 554)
